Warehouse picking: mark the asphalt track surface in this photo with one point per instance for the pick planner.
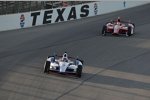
(115, 67)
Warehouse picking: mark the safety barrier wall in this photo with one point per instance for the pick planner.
(30, 19)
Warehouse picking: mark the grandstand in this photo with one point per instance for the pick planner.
(10, 7)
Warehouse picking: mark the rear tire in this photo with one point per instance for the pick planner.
(129, 31)
(104, 30)
(46, 67)
(79, 71)
(133, 28)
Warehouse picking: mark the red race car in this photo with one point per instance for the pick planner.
(118, 27)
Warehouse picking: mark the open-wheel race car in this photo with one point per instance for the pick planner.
(118, 28)
(63, 65)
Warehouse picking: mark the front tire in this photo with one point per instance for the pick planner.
(104, 30)
(46, 67)
(79, 71)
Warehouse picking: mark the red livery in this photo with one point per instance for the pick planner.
(118, 27)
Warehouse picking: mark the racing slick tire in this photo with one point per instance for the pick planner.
(46, 66)
(104, 30)
(129, 31)
(79, 71)
(133, 29)
(133, 25)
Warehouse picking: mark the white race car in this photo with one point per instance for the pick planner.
(57, 64)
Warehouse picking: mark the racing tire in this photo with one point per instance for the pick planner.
(104, 30)
(46, 67)
(133, 24)
(79, 71)
(133, 29)
(129, 31)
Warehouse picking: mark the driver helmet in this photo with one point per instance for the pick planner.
(65, 57)
(65, 54)
(118, 20)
